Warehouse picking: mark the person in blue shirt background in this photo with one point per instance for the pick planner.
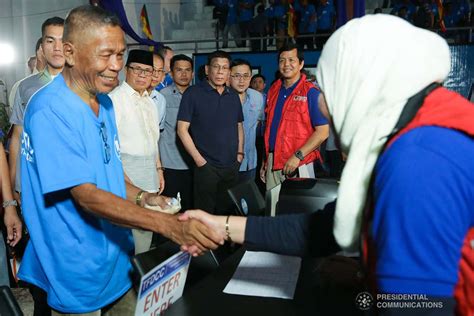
(281, 20)
(220, 13)
(307, 24)
(404, 5)
(326, 18)
(245, 15)
(270, 14)
(232, 25)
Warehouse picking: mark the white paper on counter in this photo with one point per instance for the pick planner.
(265, 274)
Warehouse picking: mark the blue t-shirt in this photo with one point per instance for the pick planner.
(270, 12)
(424, 206)
(245, 14)
(411, 9)
(232, 13)
(316, 116)
(326, 16)
(82, 261)
(213, 119)
(307, 23)
(280, 16)
(220, 3)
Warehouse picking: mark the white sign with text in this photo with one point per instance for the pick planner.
(163, 285)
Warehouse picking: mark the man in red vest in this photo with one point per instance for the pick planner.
(295, 127)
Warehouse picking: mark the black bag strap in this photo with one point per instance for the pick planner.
(412, 106)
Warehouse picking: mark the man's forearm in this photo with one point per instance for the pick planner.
(125, 213)
(319, 135)
(120, 211)
(132, 191)
(14, 150)
(240, 129)
(188, 144)
(5, 182)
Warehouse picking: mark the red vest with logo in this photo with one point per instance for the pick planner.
(295, 126)
(447, 109)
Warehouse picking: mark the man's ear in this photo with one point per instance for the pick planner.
(69, 53)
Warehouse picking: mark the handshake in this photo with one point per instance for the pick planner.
(203, 231)
(197, 231)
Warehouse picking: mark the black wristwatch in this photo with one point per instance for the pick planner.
(299, 155)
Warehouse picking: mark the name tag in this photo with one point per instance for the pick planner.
(300, 98)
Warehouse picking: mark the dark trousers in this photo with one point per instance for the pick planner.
(40, 299)
(321, 40)
(302, 41)
(335, 163)
(244, 31)
(271, 31)
(248, 175)
(210, 187)
(180, 181)
(258, 45)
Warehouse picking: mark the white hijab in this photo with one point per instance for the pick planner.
(367, 71)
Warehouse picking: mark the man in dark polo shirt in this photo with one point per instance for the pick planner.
(210, 127)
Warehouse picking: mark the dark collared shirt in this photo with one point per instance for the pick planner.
(213, 119)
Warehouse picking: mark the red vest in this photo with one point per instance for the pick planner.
(295, 125)
(447, 109)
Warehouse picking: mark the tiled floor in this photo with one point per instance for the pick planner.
(24, 299)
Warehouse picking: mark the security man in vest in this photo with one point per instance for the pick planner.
(295, 128)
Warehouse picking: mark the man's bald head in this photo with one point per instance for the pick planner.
(83, 19)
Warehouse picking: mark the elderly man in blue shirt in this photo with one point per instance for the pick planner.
(253, 104)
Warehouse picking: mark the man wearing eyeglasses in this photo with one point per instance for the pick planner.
(157, 97)
(137, 121)
(210, 128)
(295, 128)
(167, 53)
(252, 106)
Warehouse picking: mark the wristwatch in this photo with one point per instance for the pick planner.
(299, 155)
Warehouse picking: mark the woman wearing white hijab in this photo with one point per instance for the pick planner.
(375, 73)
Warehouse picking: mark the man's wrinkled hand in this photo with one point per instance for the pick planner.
(196, 237)
(211, 221)
(154, 199)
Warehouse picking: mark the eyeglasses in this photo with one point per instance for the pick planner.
(241, 76)
(219, 67)
(103, 134)
(158, 72)
(139, 71)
